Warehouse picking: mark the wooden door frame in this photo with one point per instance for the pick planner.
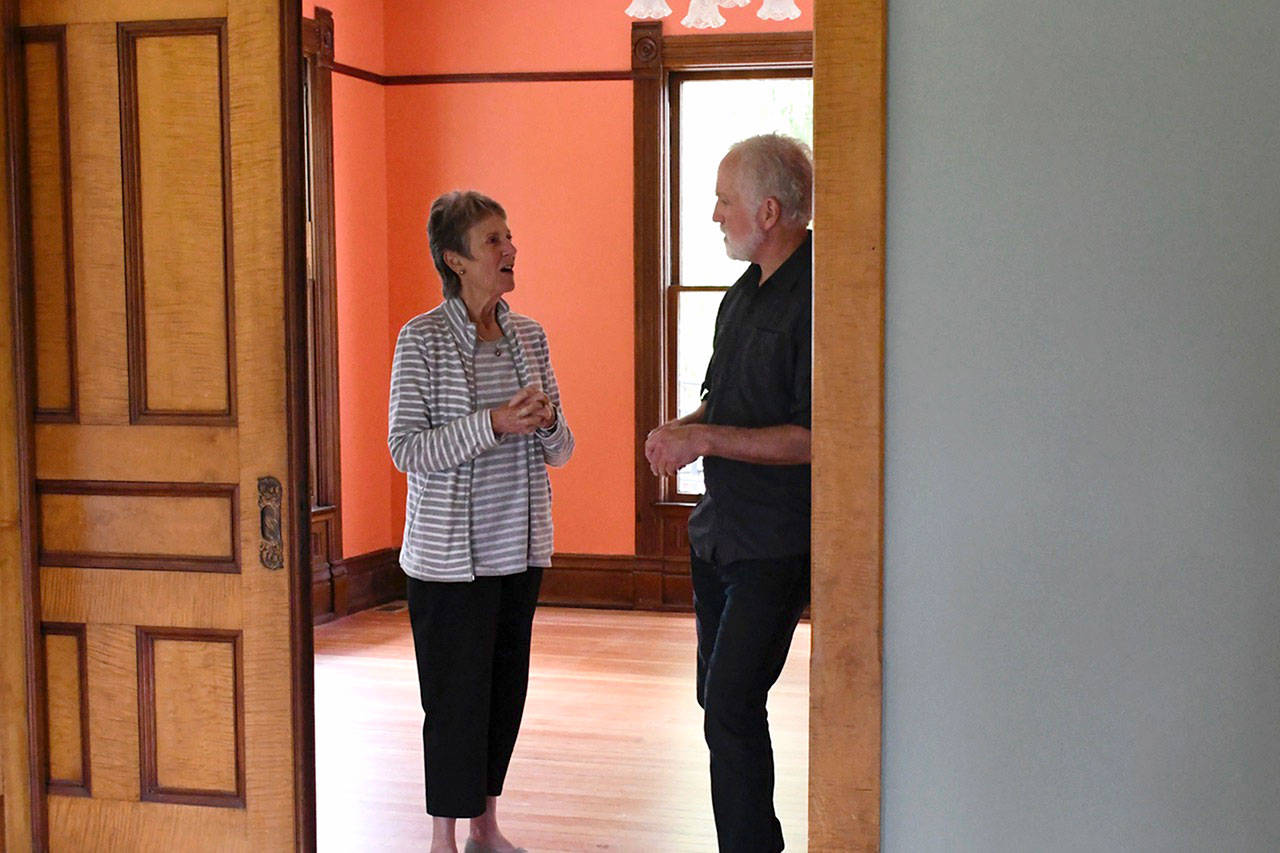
(18, 235)
(302, 654)
(845, 686)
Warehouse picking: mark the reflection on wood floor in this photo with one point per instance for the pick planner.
(610, 755)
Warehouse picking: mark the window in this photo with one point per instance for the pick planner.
(709, 112)
(694, 96)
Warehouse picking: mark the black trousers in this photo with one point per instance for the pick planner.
(746, 613)
(472, 645)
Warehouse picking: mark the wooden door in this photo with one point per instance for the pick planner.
(159, 262)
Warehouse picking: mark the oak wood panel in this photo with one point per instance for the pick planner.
(190, 710)
(610, 754)
(51, 268)
(137, 827)
(22, 811)
(98, 248)
(118, 452)
(139, 525)
(175, 132)
(738, 51)
(36, 12)
(263, 267)
(252, 151)
(125, 596)
(848, 424)
(113, 700)
(67, 708)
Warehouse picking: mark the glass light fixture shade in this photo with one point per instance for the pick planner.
(733, 4)
(703, 14)
(778, 10)
(648, 9)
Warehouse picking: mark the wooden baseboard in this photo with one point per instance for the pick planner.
(618, 581)
(356, 583)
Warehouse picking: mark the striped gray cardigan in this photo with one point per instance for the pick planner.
(434, 433)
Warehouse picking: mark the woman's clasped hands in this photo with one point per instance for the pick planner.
(527, 410)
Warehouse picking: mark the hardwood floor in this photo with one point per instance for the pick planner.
(610, 755)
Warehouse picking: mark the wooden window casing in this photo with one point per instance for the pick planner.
(329, 579)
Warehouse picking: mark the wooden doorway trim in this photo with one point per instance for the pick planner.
(23, 817)
(298, 422)
(848, 425)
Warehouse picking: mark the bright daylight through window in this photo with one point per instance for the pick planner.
(711, 115)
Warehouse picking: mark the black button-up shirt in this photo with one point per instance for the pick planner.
(759, 376)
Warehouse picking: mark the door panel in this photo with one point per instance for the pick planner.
(157, 264)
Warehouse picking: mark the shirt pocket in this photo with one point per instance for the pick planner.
(766, 357)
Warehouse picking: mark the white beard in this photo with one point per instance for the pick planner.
(744, 249)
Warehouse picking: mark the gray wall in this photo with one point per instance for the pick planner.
(1082, 564)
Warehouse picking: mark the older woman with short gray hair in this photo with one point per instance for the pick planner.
(475, 419)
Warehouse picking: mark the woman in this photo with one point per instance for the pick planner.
(474, 420)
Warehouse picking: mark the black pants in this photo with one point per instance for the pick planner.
(472, 644)
(746, 614)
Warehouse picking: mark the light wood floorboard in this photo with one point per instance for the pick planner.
(610, 756)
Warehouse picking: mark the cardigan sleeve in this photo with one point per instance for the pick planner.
(556, 441)
(417, 444)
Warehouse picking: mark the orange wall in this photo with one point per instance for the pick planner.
(536, 35)
(558, 157)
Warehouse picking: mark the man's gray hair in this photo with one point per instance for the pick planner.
(777, 166)
(451, 217)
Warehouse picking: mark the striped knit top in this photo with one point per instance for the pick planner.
(500, 479)
(437, 429)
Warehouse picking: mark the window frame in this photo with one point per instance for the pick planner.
(674, 286)
(661, 541)
(329, 588)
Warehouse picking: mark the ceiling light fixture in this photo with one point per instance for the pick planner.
(705, 14)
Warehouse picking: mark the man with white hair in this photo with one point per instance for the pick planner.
(749, 534)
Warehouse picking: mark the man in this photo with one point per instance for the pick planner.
(749, 535)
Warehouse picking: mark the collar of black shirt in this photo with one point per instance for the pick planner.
(797, 268)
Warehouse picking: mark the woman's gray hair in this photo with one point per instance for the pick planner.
(451, 217)
(777, 166)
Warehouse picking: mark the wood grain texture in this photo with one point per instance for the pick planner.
(649, 153)
(610, 755)
(98, 248)
(848, 424)
(113, 602)
(51, 269)
(136, 827)
(190, 716)
(67, 708)
(37, 12)
(124, 596)
(177, 214)
(302, 711)
(169, 527)
(710, 51)
(22, 820)
(119, 452)
(260, 266)
(113, 696)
